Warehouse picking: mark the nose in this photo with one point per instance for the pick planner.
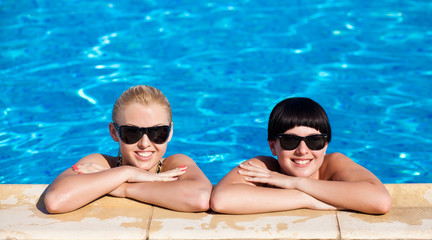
(144, 142)
(302, 148)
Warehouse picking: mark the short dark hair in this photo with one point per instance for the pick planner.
(298, 111)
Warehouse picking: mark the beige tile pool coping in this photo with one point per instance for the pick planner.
(22, 216)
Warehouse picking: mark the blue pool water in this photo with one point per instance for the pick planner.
(223, 65)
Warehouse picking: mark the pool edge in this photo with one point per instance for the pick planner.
(22, 216)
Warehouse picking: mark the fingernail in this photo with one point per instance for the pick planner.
(183, 166)
(74, 167)
(79, 172)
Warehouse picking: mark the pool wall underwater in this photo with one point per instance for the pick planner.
(223, 65)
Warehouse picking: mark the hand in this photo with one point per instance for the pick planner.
(313, 203)
(89, 167)
(257, 174)
(318, 205)
(140, 175)
(120, 191)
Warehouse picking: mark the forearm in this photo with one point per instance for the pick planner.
(247, 199)
(363, 196)
(70, 192)
(181, 195)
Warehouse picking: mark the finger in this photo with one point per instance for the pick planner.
(254, 167)
(253, 174)
(181, 168)
(167, 179)
(75, 168)
(99, 167)
(95, 167)
(176, 171)
(258, 167)
(257, 179)
(173, 173)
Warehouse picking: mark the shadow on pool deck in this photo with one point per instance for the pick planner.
(23, 216)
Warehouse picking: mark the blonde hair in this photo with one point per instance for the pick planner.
(141, 94)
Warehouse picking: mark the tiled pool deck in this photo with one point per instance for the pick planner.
(22, 216)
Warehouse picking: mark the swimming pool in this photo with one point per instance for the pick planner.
(223, 65)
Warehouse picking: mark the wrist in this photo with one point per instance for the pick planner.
(306, 201)
(125, 173)
(298, 182)
(125, 189)
(121, 190)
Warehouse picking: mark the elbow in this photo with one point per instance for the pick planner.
(52, 205)
(56, 203)
(215, 204)
(218, 202)
(199, 200)
(381, 205)
(202, 202)
(384, 205)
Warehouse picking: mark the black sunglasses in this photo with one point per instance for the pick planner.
(291, 142)
(132, 134)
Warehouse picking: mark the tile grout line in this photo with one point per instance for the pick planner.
(339, 236)
(150, 219)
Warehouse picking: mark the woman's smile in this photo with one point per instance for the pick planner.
(145, 154)
(301, 162)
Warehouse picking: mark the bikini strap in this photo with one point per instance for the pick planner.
(159, 167)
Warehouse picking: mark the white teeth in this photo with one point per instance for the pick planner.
(301, 162)
(144, 154)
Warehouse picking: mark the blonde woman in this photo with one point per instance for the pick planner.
(142, 125)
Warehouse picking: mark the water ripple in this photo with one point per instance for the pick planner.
(223, 66)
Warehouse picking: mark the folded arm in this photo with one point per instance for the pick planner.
(234, 195)
(190, 193)
(349, 186)
(343, 184)
(92, 178)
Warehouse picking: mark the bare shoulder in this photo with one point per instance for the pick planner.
(99, 159)
(270, 163)
(177, 160)
(178, 157)
(91, 158)
(233, 177)
(336, 157)
(339, 167)
(193, 172)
